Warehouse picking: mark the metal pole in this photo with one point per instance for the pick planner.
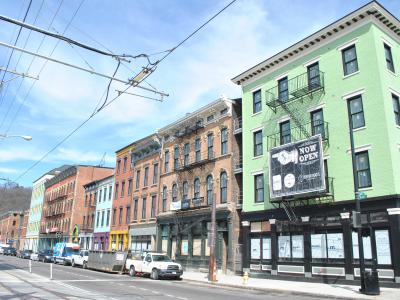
(30, 266)
(212, 271)
(357, 199)
(51, 271)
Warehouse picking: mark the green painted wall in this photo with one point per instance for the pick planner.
(380, 131)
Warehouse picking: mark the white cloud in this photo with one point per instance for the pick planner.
(17, 154)
(75, 156)
(9, 170)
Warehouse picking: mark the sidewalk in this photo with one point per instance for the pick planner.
(322, 290)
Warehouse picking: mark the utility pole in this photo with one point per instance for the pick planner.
(212, 271)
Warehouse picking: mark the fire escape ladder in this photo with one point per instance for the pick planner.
(293, 117)
(289, 211)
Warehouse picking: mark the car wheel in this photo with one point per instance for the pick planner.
(64, 262)
(73, 263)
(154, 274)
(132, 271)
(54, 261)
(84, 265)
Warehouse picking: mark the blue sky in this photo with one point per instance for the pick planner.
(195, 74)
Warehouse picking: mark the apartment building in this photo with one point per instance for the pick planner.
(63, 208)
(102, 215)
(200, 153)
(336, 87)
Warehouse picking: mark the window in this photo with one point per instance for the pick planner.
(102, 218)
(290, 246)
(260, 246)
(155, 173)
(257, 141)
(197, 148)
(356, 112)
(153, 206)
(128, 214)
(174, 193)
(125, 159)
(137, 179)
(108, 218)
(283, 89)
(317, 123)
(186, 151)
(223, 179)
(224, 111)
(164, 199)
(176, 158)
(209, 181)
(196, 188)
(166, 162)
(284, 132)
(116, 190)
(389, 58)
(129, 187)
(114, 216)
(314, 81)
(259, 188)
(185, 190)
(104, 194)
(327, 245)
(257, 105)
(210, 118)
(84, 224)
(123, 189)
(210, 146)
(396, 109)
(120, 215)
(144, 209)
(135, 209)
(109, 192)
(86, 199)
(98, 219)
(146, 176)
(349, 57)
(224, 141)
(363, 170)
(118, 165)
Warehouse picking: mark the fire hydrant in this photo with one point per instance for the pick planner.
(245, 278)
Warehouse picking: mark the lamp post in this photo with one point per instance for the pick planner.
(25, 137)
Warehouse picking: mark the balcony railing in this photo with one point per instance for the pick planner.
(297, 134)
(238, 163)
(193, 203)
(237, 125)
(298, 87)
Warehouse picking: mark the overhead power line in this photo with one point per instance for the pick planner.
(106, 104)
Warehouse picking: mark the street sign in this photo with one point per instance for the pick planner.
(362, 195)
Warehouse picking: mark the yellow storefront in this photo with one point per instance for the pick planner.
(119, 240)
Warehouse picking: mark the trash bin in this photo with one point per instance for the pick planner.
(371, 283)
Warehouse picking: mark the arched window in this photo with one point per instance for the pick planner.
(223, 179)
(185, 190)
(174, 193)
(196, 188)
(209, 189)
(164, 199)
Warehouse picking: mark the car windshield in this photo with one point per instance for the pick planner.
(27, 251)
(71, 251)
(161, 258)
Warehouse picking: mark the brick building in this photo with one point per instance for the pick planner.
(201, 164)
(63, 208)
(13, 228)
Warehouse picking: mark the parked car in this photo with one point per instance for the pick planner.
(63, 252)
(10, 251)
(26, 254)
(34, 256)
(3, 247)
(156, 265)
(80, 259)
(45, 255)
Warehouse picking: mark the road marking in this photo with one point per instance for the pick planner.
(143, 289)
(181, 298)
(168, 295)
(155, 292)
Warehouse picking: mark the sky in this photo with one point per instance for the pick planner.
(196, 73)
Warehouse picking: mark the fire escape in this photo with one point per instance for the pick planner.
(300, 88)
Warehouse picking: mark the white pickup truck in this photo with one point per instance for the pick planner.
(80, 259)
(156, 265)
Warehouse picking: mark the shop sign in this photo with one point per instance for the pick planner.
(175, 205)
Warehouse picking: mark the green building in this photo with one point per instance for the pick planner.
(346, 73)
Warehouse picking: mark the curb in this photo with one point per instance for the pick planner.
(287, 292)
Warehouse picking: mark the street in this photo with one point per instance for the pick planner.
(75, 283)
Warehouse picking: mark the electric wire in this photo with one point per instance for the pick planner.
(108, 103)
(15, 43)
(30, 65)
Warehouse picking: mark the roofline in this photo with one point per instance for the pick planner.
(135, 142)
(313, 40)
(98, 180)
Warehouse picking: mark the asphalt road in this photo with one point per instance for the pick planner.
(75, 283)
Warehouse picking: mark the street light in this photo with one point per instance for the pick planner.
(25, 137)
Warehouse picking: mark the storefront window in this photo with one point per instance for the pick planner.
(266, 248)
(140, 243)
(366, 244)
(184, 247)
(255, 248)
(327, 245)
(383, 247)
(290, 246)
(196, 246)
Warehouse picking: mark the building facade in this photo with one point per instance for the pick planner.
(63, 209)
(341, 78)
(101, 233)
(13, 228)
(143, 188)
(36, 207)
(199, 155)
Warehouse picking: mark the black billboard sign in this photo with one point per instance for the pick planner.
(296, 168)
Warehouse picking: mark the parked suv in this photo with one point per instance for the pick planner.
(45, 255)
(10, 251)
